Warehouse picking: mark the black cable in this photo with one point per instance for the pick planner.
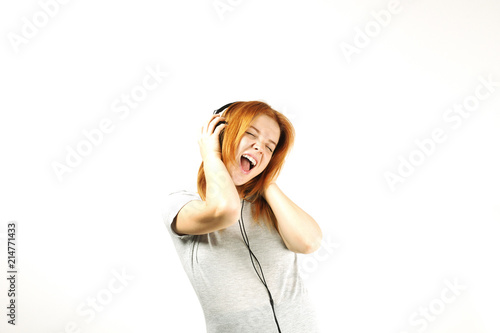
(262, 279)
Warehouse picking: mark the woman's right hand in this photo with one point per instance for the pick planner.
(209, 138)
(221, 206)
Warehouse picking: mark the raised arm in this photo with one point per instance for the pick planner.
(299, 230)
(222, 204)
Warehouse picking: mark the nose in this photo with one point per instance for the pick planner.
(257, 146)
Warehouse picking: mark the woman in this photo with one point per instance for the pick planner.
(239, 236)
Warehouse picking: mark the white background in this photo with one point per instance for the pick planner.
(354, 117)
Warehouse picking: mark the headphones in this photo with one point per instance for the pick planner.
(247, 243)
(219, 110)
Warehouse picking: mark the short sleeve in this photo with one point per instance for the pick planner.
(174, 203)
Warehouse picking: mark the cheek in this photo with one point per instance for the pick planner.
(243, 142)
(265, 162)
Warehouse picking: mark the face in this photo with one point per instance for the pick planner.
(255, 149)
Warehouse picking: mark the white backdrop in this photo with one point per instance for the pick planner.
(395, 105)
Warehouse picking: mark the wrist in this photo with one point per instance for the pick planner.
(269, 189)
(212, 156)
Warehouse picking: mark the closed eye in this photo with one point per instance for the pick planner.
(254, 137)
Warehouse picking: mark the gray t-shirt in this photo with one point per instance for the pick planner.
(233, 298)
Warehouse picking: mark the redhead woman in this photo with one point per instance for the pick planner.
(239, 235)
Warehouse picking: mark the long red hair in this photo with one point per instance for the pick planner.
(239, 116)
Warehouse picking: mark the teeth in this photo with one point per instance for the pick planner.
(250, 159)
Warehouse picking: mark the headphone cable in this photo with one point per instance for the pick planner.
(262, 279)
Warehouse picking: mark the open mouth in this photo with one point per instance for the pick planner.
(247, 163)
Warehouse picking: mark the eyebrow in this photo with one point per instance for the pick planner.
(256, 130)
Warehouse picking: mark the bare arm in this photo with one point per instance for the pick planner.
(299, 230)
(221, 207)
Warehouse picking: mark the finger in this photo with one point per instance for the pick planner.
(214, 122)
(207, 124)
(219, 129)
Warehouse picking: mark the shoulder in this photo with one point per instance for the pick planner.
(177, 195)
(174, 202)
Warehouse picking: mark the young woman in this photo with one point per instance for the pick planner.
(239, 236)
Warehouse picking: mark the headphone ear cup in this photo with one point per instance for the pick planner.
(219, 110)
(221, 137)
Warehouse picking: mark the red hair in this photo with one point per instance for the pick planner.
(239, 116)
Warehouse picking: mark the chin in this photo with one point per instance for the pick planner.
(242, 180)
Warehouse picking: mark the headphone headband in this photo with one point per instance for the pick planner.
(223, 108)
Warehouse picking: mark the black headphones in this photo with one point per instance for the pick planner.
(247, 243)
(219, 110)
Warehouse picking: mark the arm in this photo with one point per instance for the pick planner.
(299, 230)
(222, 204)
